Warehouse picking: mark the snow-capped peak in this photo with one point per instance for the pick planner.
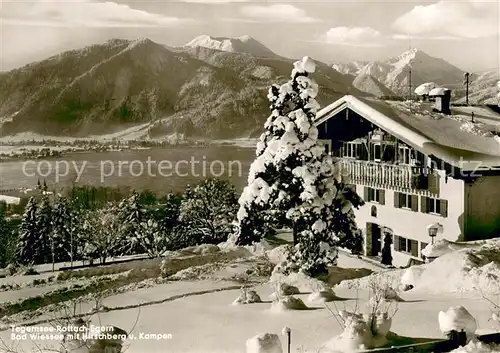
(406, 57)
(243, 44)
(224, 44)
(245, 38)
(394, 72)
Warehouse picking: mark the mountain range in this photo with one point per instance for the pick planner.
(212, 87)
(393, 75)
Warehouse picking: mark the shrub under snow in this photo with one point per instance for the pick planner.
(457, 318)
(360, 332)
(411, 275)
(247, 296)
(288, 303)
(302, 281)
(322, 296)
(264, 343)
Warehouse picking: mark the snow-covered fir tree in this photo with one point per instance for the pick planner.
(62, 241)
(293, 180)
(44, 225)
(29, 248)
(130, 215)
(8, 242)
(153, 240)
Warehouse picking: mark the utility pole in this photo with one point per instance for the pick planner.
(409, 74)
(466, 83)
(409, 84)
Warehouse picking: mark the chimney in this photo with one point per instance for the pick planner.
(442, 100)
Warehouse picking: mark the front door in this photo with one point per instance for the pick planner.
(374, 237)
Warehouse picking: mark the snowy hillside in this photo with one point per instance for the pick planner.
(371, 85)
(483, 88)
(394, 72)
(244, 44)
(197, 90)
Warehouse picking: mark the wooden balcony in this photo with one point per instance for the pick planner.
(388, 176)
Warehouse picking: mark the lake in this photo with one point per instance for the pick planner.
(160, 170)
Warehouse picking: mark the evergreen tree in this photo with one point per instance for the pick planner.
(61, 236)
(8, 242)
(29, 242)
(44, 229)
(131, 215)
(293, 180)
(167, 213)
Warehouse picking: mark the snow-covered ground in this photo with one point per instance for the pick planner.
(209, 323)
(198, 315)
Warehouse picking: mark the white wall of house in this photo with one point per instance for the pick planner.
(413, 225)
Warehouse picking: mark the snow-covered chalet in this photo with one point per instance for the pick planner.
(415, 166)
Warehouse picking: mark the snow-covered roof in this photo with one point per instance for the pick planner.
(440, 137)
(425, 88)
(438, 91)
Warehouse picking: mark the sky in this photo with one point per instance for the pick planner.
(466, 33)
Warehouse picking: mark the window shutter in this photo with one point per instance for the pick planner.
(424, 204)
(402, 200)
(422, 247)
(396, 199)
(382, 196)
(414, 248)
(414, 203)
(365, 195)
(396, 242)
(444, 207)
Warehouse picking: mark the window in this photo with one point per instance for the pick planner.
(406, 201)
(406, 245)
(434, 206)
(374, 195)
(406, 155)
(328, 145)
(377, 152)
(403, 242)
(351, 150)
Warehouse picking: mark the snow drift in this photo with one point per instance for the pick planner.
(461, 267)
(476, 346)
(457, 318)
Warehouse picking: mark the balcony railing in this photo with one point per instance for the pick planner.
(385, 175)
